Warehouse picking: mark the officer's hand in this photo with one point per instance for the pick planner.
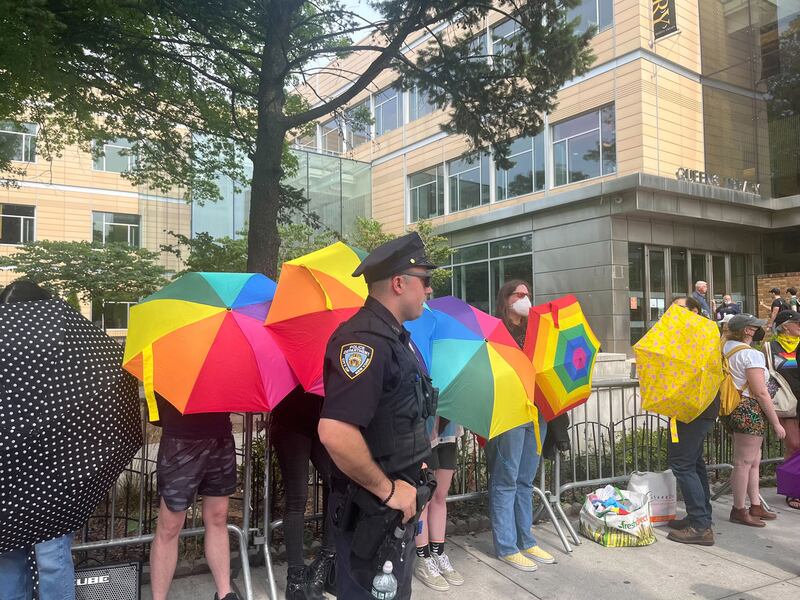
(404, 499)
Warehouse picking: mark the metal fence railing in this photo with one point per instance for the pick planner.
(611, 437)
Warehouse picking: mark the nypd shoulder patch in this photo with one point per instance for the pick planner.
(355, 359)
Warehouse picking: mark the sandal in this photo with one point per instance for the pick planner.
(792, 502)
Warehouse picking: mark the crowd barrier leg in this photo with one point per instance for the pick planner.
(273, 590)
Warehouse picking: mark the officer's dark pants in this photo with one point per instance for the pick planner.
(354, 576)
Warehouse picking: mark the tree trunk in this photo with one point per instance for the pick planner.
(263, 241)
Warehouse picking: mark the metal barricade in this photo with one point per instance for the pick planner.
(127, 516)
(611, 436)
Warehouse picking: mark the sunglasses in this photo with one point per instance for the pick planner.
(520, 295)
(424, 277)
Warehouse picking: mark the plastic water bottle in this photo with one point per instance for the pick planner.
(384, 586)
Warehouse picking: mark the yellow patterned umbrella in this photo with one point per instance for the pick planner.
(680, 365)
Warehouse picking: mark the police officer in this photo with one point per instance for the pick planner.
(376, 402)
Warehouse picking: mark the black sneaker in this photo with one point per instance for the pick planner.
(228, 596)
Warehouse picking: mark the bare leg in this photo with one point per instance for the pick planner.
(752, 481)
(745, 451)
(437, 508)
(217, 542)
(164, 551)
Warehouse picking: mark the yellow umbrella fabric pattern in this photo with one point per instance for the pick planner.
(679, 364)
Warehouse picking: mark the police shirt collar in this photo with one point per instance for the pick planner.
(383, 313)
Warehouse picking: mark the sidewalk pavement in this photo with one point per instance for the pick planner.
(746, 563)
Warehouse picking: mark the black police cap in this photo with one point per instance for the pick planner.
(395, 256)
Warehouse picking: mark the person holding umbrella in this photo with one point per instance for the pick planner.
(196, 455)
(513, 458)
(53, 557)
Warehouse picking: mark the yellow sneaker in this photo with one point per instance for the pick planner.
(519, 561)
(539, 555)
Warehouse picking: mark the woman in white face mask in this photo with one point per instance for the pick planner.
(513, 458)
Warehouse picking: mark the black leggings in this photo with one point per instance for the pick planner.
(295, 445)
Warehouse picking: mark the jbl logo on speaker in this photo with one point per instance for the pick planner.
(108, 582)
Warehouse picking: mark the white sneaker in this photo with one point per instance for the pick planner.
(427, 571)
(452, 576)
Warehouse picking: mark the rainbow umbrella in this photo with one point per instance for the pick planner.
(485, 381)
(563, 349)
(201, 344)
(316, 293)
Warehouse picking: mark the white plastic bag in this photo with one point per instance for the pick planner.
(662, 491)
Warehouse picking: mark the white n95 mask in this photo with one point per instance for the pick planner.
(522, 306)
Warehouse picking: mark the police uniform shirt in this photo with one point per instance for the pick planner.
(359, 366)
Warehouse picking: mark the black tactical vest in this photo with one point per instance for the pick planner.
(396, 436)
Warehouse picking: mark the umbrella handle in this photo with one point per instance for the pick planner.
(147, 380)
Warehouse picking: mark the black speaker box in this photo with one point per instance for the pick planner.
(109, 582)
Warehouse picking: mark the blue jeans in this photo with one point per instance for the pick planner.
(513, 461)
(689, 467)
(56, 571)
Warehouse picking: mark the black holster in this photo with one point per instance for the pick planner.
(375, 526)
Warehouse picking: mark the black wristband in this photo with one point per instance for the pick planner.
(389, 497)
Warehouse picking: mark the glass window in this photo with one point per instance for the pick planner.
(18, 141)
(387, 110)
(442, 286)
(585, 146)
(658, 285)
(419, 104)
(527, 174)
(470, 253)
(679, 269)
(17, 223)
(115, 157)
(509, 246)
(592, 13)
(738, 278)
(108, 228)
(506, 269)
(471, 284)
(718, 278)
(468, 180)
(636, 286)
(426, 193)
(307, 142)
(331, 136)
(357, 119)
(698, 268)
(504, 36)
(111, 315)
(477, 47)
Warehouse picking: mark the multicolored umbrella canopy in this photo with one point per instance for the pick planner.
(315, 294)
(485, 381)
(563, 349)
(679, 362)
(200, 342)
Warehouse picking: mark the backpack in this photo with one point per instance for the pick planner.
(729, 394)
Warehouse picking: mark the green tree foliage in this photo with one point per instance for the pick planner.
(85, 271)
(369, 234)
(208, 254)
(196, 85)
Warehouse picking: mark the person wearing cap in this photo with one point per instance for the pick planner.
(778, 304)
(748, 421)
(377, 398)
(783, 352)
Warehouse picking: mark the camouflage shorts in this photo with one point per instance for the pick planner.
(187, 466)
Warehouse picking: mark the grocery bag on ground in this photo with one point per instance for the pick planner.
(789, 477)
(615, 518)
(661, 490)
